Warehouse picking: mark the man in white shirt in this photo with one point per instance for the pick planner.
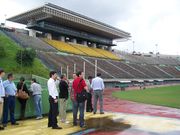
(98, 88)
(53, 101)
(2, 95)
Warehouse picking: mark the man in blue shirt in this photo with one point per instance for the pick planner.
(2, 95)
(9, 100)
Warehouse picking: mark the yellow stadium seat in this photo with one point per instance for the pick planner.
(64, 47)
(81, 50)
(106, 53)
(89, 51)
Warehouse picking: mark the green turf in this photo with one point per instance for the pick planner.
(164, 96)
(9, 64)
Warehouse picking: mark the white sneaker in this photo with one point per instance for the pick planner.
(38, 118)
(66, 122)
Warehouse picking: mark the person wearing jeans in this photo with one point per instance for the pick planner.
(98, 95)
(98, 87)
(36, 89)
(9, 100)
(81, 107)
(79, 85)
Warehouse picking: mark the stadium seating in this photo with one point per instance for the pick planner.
(156, 70)
(171, 70)
(63, 61)
(128, 68)
(110, 68)
(87, 50)
(156, 60)
(145, 70)
(64, 47)
(139, 67)
(30, 42)
(81, 50)
(108, 54)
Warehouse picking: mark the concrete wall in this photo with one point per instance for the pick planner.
(62, 38)
(49, 36)
(32, 33)
(74, 40)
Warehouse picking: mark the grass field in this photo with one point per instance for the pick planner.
(9, 64)
(164, 96)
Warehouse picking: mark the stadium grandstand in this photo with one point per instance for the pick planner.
(140, 89)
(67, 42)
(59, 23)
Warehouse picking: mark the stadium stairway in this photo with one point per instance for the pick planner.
(105, 73)
(62, 61)
(128, 68)
(171, 70)
(163, 73)
(143, 69)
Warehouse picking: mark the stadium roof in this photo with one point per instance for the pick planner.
(61, 16)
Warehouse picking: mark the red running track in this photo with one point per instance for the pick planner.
(116, 105)
(112, 104)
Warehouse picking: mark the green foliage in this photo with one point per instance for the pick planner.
(2, 52)
(9, 63)
(25, 57)
(164, 96)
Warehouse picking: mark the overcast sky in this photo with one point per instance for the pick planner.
(150, 22)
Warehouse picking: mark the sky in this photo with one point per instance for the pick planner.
(154, 24)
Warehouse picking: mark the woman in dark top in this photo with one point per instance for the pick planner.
(22, 86)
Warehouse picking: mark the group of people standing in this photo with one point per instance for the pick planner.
(78, 85)
(8, 94)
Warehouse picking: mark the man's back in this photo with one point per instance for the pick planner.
(36, 88)
(97, 84)
(98, 88)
